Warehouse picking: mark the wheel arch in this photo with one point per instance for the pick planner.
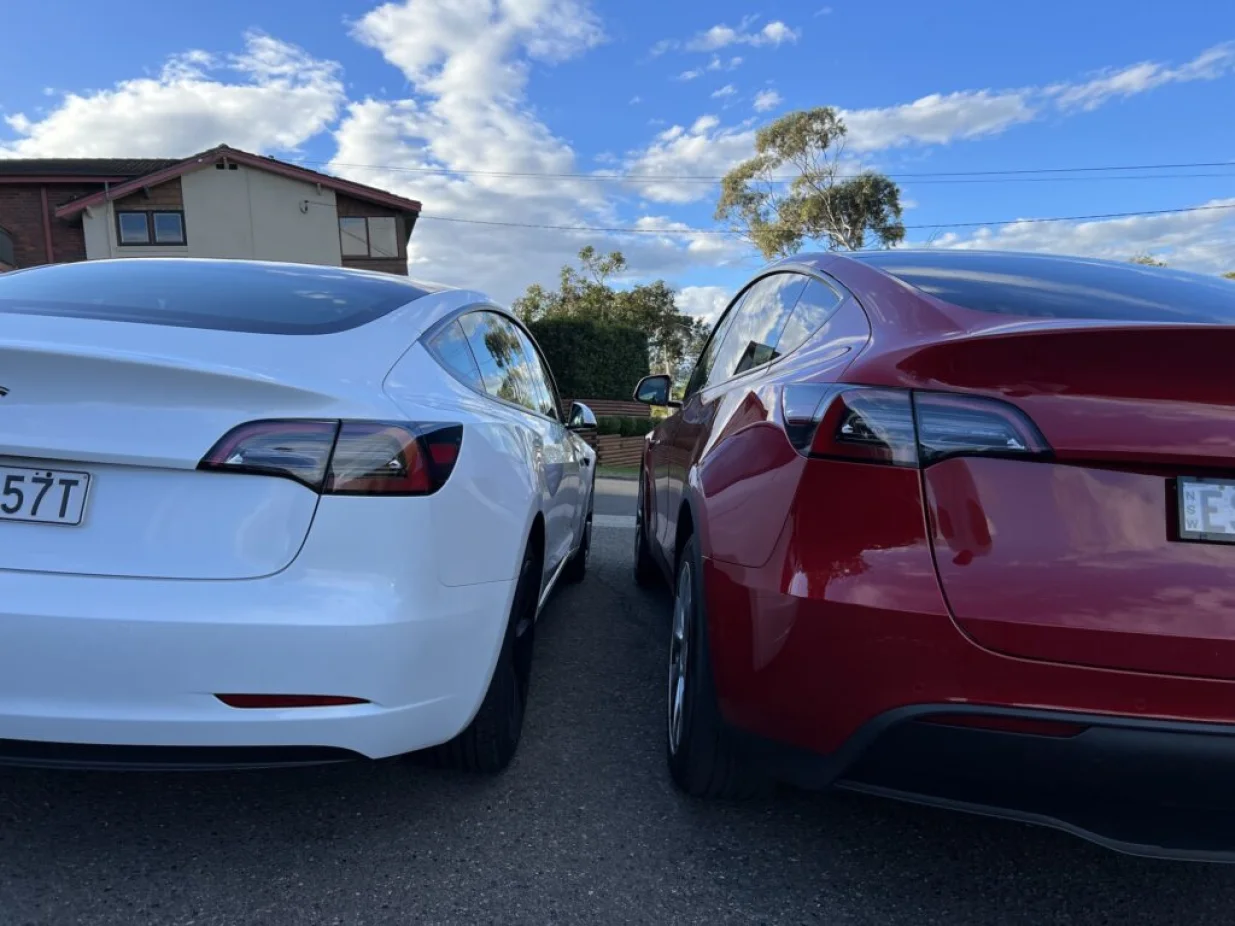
(692, 514)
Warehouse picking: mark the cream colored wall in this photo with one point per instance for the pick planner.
(282, 231)
(99, 233)
(244, 213)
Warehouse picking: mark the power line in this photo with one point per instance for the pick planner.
(985, 176)
(1078, 218)
(724, 231)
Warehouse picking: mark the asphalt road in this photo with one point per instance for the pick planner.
(583, 828)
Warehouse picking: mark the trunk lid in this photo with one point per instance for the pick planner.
(1080, 559)
(1113, 392)
(136, 407)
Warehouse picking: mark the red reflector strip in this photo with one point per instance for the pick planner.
(444, 454)
(1027, 725)
(267, 700)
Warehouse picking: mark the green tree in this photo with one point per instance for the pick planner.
(1147, 260)
(587, 292)
(820, 203)
(1229, 275)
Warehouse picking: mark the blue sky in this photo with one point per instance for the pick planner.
(396, 94)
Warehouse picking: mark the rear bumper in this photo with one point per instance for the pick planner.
(827, 655)
(361, 613)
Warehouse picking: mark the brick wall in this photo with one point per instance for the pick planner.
(68, 238)
(167, 195)
(21, 214)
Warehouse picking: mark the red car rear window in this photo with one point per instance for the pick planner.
(1047, 286)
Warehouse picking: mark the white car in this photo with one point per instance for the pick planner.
(257, 513)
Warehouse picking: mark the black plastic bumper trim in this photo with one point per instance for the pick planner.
(35, 754)
(1147, 787)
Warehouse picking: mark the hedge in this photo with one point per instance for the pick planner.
(590, 360)
(623, 426)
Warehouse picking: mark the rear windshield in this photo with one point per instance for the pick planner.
(1062, 287)
(222, 295)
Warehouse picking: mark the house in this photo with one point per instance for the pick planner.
(221, 203)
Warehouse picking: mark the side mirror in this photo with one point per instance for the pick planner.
(654, 390)
(581, 418)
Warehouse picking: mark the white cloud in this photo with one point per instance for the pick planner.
(716, 64)
(937, 119)
(766, 100)
(726, 90)
(774, 33)
(1210, 64)
(709, 243)
(469, 68)
(463, 49)
(664, 45)
(271, 97)
(691, 74)
(706, 302)
(931, 120)
(943, 118)
(721, 36)
(1202, 240)
(824, 11)
(704, 149)
(635, 100)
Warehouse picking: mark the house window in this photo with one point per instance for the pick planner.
(147, 227)
(376, 236)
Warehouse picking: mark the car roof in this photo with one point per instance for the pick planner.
(240, 268)
(1040, 285)
(1025, 263)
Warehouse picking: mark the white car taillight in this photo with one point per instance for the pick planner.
(342, 457)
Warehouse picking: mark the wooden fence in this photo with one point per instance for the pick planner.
(615, 450)
(614, 407)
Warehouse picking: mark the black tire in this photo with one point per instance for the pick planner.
(702, 757)
(489, 742)
(576, 568)
(647, 573)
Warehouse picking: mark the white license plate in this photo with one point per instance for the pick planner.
(42, 496)
(1207, 509)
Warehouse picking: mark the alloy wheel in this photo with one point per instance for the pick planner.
(679, 654)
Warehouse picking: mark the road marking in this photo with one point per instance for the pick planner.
(613, 520)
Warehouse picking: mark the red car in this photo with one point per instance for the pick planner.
(957, 527)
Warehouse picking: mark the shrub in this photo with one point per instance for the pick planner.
(591, 359)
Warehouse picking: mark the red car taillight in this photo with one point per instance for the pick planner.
(904, 427)
(342, 457)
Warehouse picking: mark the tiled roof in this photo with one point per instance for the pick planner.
(83, 167)
(166, 170)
